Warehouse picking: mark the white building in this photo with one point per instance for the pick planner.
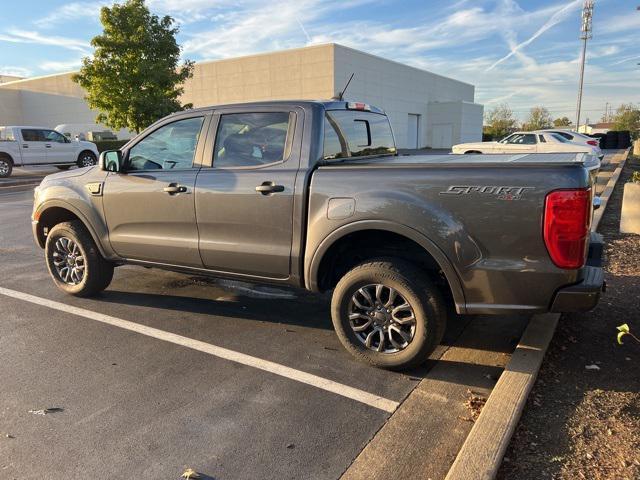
(425, 109)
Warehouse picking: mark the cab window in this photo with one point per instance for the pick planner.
(252, 139)
(32, 135)
(53, 136)
(170, 147)
(350, 133)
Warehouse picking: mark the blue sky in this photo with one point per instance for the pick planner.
(524, 53)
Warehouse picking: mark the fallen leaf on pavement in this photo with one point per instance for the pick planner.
(190, 473)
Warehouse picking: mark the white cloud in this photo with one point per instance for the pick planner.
(15, 71)
(25, 36)
(619, 23)
(72, 11)
(61, 66)
(559, 16)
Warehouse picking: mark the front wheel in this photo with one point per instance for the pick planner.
(74, 262)
(6, 167)
(87, 159)
(387, 313)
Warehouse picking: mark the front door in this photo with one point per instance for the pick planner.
(58, 147)
(244, 202)
(149, 207)
(32, 146)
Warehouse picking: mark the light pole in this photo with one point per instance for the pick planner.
(585, 34)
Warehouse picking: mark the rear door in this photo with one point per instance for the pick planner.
(245, 191)
(33, 147)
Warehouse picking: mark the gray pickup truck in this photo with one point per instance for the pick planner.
(314, 195)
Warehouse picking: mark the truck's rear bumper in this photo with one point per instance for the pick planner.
(584, 296)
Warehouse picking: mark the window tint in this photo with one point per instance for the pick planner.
(568, 136)
(541, 138)
(172, 146)
(53, 136)
(6, 135)
(32, 135)
(560, 138)
(251, 139)
(350, 133)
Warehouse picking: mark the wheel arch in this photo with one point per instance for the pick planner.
(54, 212)
(406, 240)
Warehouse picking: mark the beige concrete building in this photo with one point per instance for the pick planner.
(425, 109)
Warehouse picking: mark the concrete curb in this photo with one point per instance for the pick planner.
(608, 190)
(482, 452)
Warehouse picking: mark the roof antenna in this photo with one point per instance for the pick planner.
(340, 95)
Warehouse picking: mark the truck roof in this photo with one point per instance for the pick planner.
(326, 104)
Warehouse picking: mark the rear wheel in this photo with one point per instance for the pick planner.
(6, 166)
(387, 313)
(74, 262)
(87, 159)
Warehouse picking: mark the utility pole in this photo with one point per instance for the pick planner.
(585, 34)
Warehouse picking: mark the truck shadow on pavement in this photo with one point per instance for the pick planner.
(290, 311)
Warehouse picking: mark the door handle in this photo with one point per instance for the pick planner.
(172, 189)
(25, 146)
(269, 187)
(48, 145)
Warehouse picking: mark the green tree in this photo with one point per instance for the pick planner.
(538, 119)
(500, 122)
(134, 77)
(562, 122)
(627, 117)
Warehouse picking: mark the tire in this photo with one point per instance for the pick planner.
(472, 152)
(6, 166)
(412, 287)
(86, 159)
(97, 272)
(63, 167)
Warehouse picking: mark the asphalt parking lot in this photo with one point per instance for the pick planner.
(139, 405)
(166, 371)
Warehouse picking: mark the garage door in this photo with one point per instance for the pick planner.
(442, 135)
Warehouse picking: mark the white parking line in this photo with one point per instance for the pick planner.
(275, 368)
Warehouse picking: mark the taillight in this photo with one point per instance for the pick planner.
(595, 143)
(567, 218)
(358, 106)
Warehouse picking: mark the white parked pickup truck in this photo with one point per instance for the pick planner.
(23, 146)
(541, 141)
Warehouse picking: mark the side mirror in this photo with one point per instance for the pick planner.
(111, 161)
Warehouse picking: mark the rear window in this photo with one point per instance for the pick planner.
(350, 133)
